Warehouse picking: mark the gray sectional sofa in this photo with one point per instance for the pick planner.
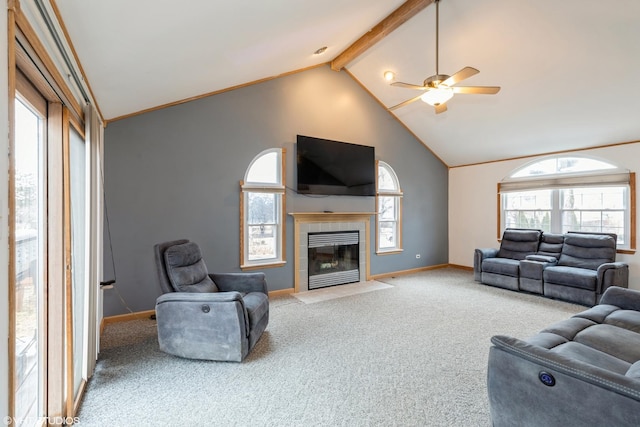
(576, 267)
(582, 371)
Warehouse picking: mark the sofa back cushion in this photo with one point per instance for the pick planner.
(186, 269)
(517, 243)
(551, 245)
(587, 250)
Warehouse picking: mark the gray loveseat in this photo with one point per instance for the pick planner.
(582, 371)
(576, 267)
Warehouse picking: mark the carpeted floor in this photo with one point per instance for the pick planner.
(413, 354)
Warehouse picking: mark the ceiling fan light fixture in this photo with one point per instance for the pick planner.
(437, 96)
(389, 75)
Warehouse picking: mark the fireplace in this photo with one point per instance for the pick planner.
(306, 223)
(333, 258)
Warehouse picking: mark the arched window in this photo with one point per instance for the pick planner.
(262, 211)
(389, 208)
(570, 193)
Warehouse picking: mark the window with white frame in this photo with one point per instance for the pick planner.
(563, 194)
(262, 211)
(389, 208)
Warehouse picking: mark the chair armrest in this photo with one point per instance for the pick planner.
(240, 282)
(626, 299)
(480, 255)
(612, 274)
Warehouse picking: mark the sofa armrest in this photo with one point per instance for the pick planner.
(529, 385)
(240, 282)
(575, 368)
(542, 258)
(612, 274)
(480, 255)
(626, 299)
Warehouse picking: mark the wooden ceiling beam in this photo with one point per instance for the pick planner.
(398, 17)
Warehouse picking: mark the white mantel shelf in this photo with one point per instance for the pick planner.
(327, 221)
(331, 216)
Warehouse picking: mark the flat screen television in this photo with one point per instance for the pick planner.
(335, 168)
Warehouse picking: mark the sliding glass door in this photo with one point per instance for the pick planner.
(29, 259)
(79, 276)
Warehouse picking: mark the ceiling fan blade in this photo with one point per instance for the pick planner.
(402, 104)
(441, 108)
(477, 90)
(408, 86)
(465, 73)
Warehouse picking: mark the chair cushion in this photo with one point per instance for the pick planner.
(257, 305)
(517, 244)
(587, 250)
(504, 266)
(572, 277)
(186, 269)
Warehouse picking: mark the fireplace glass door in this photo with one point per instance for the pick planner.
(333, 258)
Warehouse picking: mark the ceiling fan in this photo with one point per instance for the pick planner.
(439, 88)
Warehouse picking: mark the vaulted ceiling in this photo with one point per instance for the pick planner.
(569, 70)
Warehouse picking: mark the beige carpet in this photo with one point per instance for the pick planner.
(413, 354)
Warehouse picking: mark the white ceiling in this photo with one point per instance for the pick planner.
(569, 70)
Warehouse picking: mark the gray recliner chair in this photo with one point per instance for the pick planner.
(207, 316)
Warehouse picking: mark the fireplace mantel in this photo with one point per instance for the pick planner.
(331, 216)
(305, 222)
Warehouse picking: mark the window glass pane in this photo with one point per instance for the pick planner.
(595, 221)
(262, 242)
(538, 199)
(593, 198)
(262, 208)
(78, 251)
(29, 262)
(387, 208)
(387, 234)
(264, 169)
(540, 220)
(386, 180)
(562, 165)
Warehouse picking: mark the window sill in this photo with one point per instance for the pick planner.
(626, 251)
(273, 264)
(389, 252)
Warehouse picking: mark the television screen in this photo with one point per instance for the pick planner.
(335, 168)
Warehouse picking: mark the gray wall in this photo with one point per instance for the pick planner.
(175, 173)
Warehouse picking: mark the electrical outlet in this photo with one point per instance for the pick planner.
(417, 256)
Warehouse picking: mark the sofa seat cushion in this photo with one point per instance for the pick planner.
(504, 266)
(572, 277)
(586, 354)
(617, 342)
(569, 328)
(257, 305)
(626, 319)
